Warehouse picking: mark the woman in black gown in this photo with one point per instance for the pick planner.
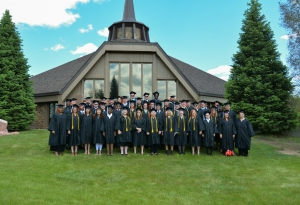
(74, 134)
(98, 127)
(87, 129)
(138, 128)
(227, 133)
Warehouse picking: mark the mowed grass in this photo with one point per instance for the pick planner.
(31, 174)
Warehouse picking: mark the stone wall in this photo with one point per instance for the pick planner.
(42, 116)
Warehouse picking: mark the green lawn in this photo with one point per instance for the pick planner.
(31, 174)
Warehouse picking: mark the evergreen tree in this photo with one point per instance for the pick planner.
(259, 82)
(114, 88)
(16, 93)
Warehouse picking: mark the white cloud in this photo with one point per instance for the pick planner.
(100, 1)
(222, 71)
(287, 37)
(90, 27)
(85, 49)
(49, 13)
(57, 47)
(104, 32)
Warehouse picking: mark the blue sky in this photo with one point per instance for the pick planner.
(203, 33)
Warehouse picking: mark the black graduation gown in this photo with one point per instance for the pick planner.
(124, 124)
(60, 124)
(139, 139)
(210, 130)
(186, 112)
(131, 114)
(232, 115)
(194, 127)
(168, 133)
(244, 131)
(117, 113)
(201, 113)
(182, 128)
(110, 128)
(145, 115)
(67, 110)
(74, 137)
(153, 127)
(86, 129)
(227, 129)
(98, 128)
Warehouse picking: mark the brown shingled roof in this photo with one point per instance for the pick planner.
(204, 83)
(54, 80)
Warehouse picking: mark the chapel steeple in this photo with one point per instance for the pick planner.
(129, 30)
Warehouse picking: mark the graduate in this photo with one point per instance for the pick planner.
(209, 133)
(98, 128)
(139, 103)
(67, 109)
(182, 129)
(87, 130)
(185, 108)
(139, 131)
(215, 117)
(227, 133)
(195, 128)
(169, 131)
(109, 133)
(244, 131)
(145, 113)
(58, 127)
(124, 127)
(132, 109)
(117, 111)
(154, 128)
(74, 134)
(231, 113)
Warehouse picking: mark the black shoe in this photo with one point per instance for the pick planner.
(183, 153)
(167, 152)
(152, 153)
(156, 153)
(171, 152)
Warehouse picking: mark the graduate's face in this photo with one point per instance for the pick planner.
(60, 110)
(151, 105)
(68, 103)
(132, 95)
(145, 105)
(109, 110)
(183, 104)
(124, 112)
(88, 101)
(146, 96)
(138, 113)
(153, 113)
(132, 105)
(74, 110)
(207, 115)
(166, 104)
(196, 106)
(241, 115)
(156, 95)
(194, 113)
(158, 107)
(169, 113)
(99, 111)
(180, 113)
(226, 115)
(138, 101)
(96, 104)
(87, 110)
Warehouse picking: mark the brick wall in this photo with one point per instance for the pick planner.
(42, 116)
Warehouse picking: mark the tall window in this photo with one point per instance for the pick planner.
(135, 76)
(94, 88)
(166, 88)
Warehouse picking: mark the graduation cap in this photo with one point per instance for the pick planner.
(207, 111)
(95, 101)
(188, 101)
(132, 101)
(124, 97)
(118, 103)
(242, 111)
(82, 104)
(146, 94)
(111, 99)
(202, 101)
(151, 101)
(145, 102)
(195, 103)
(138, 109)
(73, 99)
(166, 100)
(153, 109)
(87, 98)
(182, 101)
(158, 104)
(217, 102)
(88, 107)
(75, 106)
(103, 103)
(125, 108)
(226, 111)
(181, 109)
(172, 96)
(60, 105)
(156, 93)
(132, 92)
(139, 98)
(104, 98)
(177, 103)
(169, 109)
(214, 107)
(67, 100)
(227, 103)
(110, 106)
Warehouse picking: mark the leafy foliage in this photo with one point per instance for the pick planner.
(259, 81)
(16, 93)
